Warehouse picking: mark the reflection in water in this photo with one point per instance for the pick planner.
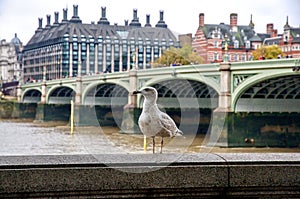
(19, 138)
(27, 138)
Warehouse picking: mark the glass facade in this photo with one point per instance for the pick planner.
(59, 51)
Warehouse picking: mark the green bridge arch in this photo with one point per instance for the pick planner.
(250, 82)
(243, 75)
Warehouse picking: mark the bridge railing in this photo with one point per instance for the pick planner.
(181, 69)
(265, 64)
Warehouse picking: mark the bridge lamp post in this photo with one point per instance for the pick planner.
(44, 73)
(59, 70)
(225, 46)
(79, 69)
(247, 50)
(296, 68)
(133, 60)
(1, 89)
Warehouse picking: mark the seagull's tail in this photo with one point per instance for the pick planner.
(178, 133)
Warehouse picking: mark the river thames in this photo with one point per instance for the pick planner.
(25, 137)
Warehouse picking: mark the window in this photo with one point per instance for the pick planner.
(236, 57)
(216, 44)
(75, 46)
(108, 48)
(236, 44)
(216, 56)
(148, 49)
(92, 47)
(244, 57)
(117, 48)
(248, 44)
(83, 46)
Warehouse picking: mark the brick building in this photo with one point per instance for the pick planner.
(289, 41)
(212, 40)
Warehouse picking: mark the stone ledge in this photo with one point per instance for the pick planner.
(144, 175)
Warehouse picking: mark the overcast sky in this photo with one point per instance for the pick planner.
(21, 16)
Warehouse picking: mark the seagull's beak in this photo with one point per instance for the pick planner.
(136, 92)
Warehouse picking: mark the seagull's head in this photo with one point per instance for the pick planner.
(149, 93)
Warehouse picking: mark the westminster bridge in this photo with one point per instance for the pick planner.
(252, 89)
(257, 86)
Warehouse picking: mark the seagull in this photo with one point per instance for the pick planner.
(154, 122)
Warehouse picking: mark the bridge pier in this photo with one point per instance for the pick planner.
(131, 112)
(19, 92)
(52, 112)
(44, 93)
(41, 109)
(85, 115)
(21, 110)
(221, 115)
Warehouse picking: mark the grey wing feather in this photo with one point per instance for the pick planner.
(167, 122)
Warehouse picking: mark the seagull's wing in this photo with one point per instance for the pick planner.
(167, 122)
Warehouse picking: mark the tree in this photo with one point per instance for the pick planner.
(267, 52)
(178, 56)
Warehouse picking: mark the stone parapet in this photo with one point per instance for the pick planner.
(224, 175)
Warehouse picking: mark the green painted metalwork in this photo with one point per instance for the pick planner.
(244, 75)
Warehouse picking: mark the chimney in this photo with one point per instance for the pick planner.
(56, 18)
(40, 23)
(135, 20)
(270, 29)
(135, 14)
(48, 21)
(103, 20)
(161, 23)
(40, 28)
(147, 21)
(201, 19)
(65, 15)
(75, 18)
(75, 10)
(126, 22)
(275, 33)
(233, 20)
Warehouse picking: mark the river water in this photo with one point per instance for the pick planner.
(20, 137)
(30, 138)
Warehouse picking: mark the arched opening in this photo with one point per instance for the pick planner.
(108, 101)
(61, 95)
(32, 96)
(280, 94)
(190, 103)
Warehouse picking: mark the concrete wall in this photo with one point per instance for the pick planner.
(202, 175)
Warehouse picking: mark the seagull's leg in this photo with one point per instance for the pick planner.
(161, 144)
(153, 142)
